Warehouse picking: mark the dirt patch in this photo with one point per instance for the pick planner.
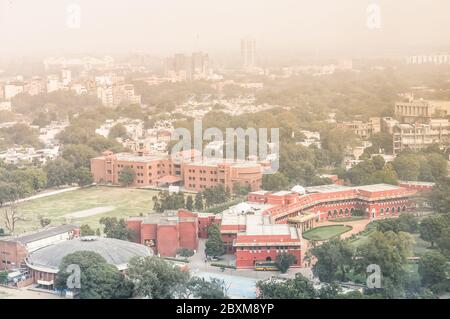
(90, 212)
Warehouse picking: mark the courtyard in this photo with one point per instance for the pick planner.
(326, 232)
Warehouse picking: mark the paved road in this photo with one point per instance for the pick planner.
(197, 265)
(45, 194)
(23, 293)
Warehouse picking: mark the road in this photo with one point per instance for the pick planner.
(197, 264)
(23, 293)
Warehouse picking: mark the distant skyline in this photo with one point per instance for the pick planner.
(162, 27)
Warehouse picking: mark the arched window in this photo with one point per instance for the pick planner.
(381, 211)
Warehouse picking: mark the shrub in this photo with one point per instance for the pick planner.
(185, 252)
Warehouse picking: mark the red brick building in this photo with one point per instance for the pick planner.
(14, 250)
(162, 169)
(167, 232)
(271, 223)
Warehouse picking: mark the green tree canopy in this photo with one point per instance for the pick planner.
(99, 280)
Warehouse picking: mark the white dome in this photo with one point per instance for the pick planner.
(242, 208)
(298, 189)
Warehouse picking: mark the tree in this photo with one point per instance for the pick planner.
(198, 201)
(378, 162)
(330, 291)
(116, 228)
(118, 130)
(185, 252)
(284, 261)
(387, 250)
(155, 278)
(405, 223)
(79, 155)
(98, 279)
(431, 228)
(214, 246)
(166, 201)
(334, 260)
(407, 167)
(60, 172)
(127, 176)
(382, 141)
(439, 198)
(203, 289)
(83, 176)
(434, 271)
(443, 241)
(3, 277)
(86, 230)
(9, 192)
(12, 216)
(297, 288)
(44, 221)
(189, 203)
(275, 182)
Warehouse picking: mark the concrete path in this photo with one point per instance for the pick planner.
(23, 293)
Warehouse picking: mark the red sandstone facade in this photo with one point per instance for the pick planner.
(265, 226)
(161, 169)
(165, 233)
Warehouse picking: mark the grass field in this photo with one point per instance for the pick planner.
(121, 203)
(325, 232)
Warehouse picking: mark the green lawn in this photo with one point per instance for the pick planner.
(325, 232)
(418, 245)
(347, 219)
(124, 202)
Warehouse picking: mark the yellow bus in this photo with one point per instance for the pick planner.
(265, 266)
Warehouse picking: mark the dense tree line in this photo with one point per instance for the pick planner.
(149, 277)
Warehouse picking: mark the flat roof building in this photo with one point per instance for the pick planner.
(14, 250)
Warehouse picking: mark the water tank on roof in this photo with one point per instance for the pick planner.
(298, 189)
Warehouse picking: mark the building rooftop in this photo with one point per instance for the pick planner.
(378, 188)
(270, 230)
(138, 158)
(128, 157)
(25, 239)
(282, 193)
(116, 252)
(327, 188)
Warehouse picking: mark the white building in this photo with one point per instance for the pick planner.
(53, 83)
(12, 89)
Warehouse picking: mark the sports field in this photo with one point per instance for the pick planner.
(85, 206)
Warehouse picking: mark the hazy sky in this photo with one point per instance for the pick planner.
(168, 26)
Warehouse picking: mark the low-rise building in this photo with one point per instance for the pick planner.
(162, 169)
(14, 250)
(420, 136)
(167, 232)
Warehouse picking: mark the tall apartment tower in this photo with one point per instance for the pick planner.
(248, 49)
